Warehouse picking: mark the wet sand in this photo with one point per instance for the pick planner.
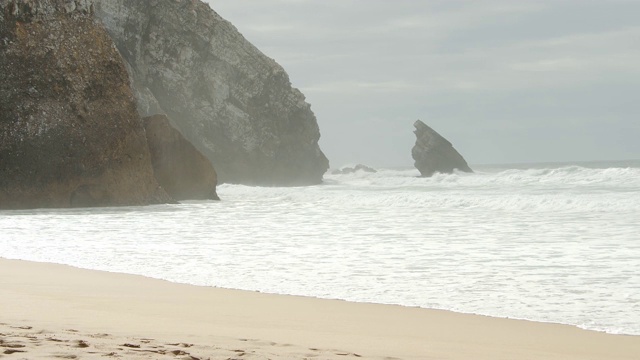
(50, 311)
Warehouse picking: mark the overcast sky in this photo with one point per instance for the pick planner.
(504, 80)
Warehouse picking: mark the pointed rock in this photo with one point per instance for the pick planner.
(433, 153)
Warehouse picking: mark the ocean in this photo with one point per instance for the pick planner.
(545, 242)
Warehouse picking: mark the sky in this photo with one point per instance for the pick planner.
(505, 81)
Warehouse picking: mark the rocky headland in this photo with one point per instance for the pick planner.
(78, 76)
(435, 154)
(235, 104)
(70, 133)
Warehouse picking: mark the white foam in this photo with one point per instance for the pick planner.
(558, 245)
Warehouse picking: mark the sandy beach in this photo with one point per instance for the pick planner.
(52, 311)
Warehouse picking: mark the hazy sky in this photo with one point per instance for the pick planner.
(503, 80)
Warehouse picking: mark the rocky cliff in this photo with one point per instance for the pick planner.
(232, 102)
(70, 133)
(178, 166)
(433, 153)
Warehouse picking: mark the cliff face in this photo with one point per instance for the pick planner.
(178, 166)
(232, 102)
(433, 153)
(70, 134)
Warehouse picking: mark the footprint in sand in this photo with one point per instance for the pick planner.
(184, 345)
(144, 340)
(81, 344)
(12, 351)
(344, 353)
(11, 347)
(178, 352)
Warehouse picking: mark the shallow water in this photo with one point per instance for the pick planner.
(555, 244)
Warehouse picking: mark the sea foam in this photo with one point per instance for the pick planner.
(547, 244)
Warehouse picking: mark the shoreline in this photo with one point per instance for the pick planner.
(328, 298)
(55, 298)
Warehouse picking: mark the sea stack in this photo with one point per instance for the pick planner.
(236, 105)
(435, 154)
(70, 133)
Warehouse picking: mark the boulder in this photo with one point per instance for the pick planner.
(70, 133)
(235, 104)
(433, 153)
(178, 166)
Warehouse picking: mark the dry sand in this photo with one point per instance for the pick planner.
(52, 311)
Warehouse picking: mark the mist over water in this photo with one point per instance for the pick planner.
(555, 243)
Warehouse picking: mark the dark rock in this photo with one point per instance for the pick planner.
(433, 153)
(351, 170)
(178, 166)
(235, 104)
(70, 133)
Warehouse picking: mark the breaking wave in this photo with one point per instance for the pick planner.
(555, 244)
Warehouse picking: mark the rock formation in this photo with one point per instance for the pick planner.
(433, 153)
(178, 166)
(232, 102)
(70, 133)
(351, 170)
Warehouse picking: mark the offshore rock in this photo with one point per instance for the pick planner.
(351, 170)
(236, 105)
(433, 153)
(178, 166)
(70, 133)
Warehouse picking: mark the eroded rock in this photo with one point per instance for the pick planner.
(435, 154)
(70, 133)
(235, 104)
(178, 166)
